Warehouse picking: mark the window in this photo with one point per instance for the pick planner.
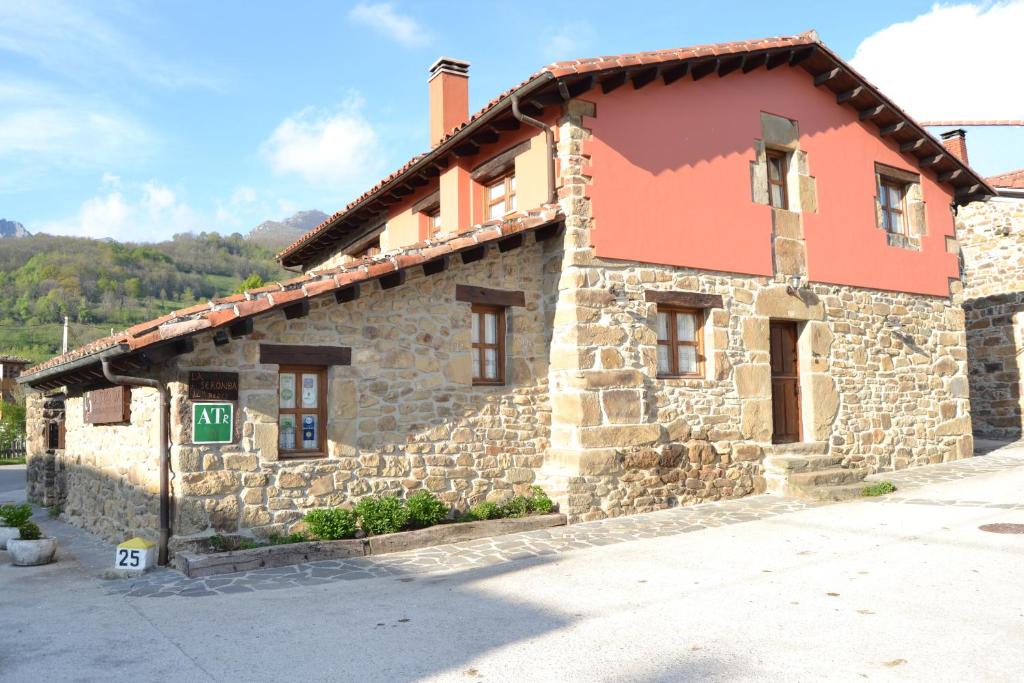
(777, 179)
(302, 392)
(488, 344)
(892, 198)
(434, 221)
(501, 197)
(680, 343)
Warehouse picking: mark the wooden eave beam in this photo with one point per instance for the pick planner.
(911, 145)
(849, 94)
(392, 279)
(894, 128)
(580, 85)
(487, 136)
(826, 76)
(751, 62)
(929, 161)
(466, 149)
(644, 76)
(727, 65)
(547, 232)
(967, 190)
(474, 254)
(510, 243)
(299, 309)
(674, 73)
(777, 59)
(702, 69)
(350, 293)
(950, 175)
(610, 83)
(241, 328)
(509, 123)
(798, 56)
(871, 112)
(438, 265)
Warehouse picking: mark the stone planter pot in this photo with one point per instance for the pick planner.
(8, 533)
(31, 553)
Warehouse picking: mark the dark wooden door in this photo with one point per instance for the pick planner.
(785, 382)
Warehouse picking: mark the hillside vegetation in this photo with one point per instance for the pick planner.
(102, 284)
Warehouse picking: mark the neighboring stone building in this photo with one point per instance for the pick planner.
(991, 237)
(591, 285)
(10, 369)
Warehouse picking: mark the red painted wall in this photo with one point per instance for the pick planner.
(671, 183)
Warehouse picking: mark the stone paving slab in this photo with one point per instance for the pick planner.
(521, 547)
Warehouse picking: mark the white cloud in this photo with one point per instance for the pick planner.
(242, 201)
(383, 18)
(954, 62)
(326, 147)
(569, 41)
(66, 38)
(136, 212)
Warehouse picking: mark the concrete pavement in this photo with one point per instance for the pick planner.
(902, 588)
(12, 483)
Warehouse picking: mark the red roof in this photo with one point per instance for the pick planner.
(1013, 180)
(559, 70)
(573, 69)
(223, 311)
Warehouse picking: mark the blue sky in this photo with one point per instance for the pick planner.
(139, 119)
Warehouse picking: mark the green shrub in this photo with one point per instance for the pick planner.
(296, 537)
(485, 510)
(425, 509)
(15, 515)
(382, 515)
(879, 489)
(30, 531)
(330, 525)
(516, 506)
(539, 501)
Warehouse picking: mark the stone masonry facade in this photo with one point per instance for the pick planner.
(583, 413)
(991, 236)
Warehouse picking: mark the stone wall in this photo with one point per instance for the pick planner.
(403, 416)
(991, 236)
(882, 374)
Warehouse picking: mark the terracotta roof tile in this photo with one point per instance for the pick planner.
(223, 311)
(1013, 180)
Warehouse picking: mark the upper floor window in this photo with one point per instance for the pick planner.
(302, 392)
(777, 169)
(434, 221)
(488, 344)
(892, 195)
(680, 342)
(501, 197)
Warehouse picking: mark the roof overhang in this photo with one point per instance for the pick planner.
(562, 81)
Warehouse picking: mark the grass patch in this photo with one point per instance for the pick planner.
(880, 489)
(12, 461)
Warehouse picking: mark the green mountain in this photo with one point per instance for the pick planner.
(102, 284)
(276, 235)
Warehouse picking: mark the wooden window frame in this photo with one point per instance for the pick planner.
(783, 158)
(885, 183)
(508, 196)
(673, 343)
(479, 311)
(297, 411)
(433, 221)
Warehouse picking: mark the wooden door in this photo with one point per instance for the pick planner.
(785, 382)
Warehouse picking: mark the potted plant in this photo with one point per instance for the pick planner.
(32, 548)
(12, 517)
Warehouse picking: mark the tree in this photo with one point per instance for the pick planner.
(252, 282)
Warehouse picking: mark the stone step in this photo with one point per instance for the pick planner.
(804, 448)
(833, 476)
(833, 493)
(785, 464)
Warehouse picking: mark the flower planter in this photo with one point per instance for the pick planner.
(32, 553)
(198, 564)
(8, 533)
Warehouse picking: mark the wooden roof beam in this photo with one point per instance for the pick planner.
(644, 76)
(893, 129)
(751, 62)
(702, 69)
(926, 162)
(777, 59)
(826, 76)
(674, 73)
(849, 94)
(728, 65)
(871, 112)
(950, 175)
(610, 83)
(911, 145)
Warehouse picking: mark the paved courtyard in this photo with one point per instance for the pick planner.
(901, 587)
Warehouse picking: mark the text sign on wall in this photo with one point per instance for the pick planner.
(108, 406)
(213, 386)
(213, 422)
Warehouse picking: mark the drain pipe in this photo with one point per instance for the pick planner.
(165, 502)
(549, 137)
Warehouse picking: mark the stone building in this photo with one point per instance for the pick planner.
(639, 282)
(991, 237)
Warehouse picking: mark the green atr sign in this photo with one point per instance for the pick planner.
(213, 422)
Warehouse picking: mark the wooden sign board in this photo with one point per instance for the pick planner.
(108, 406)
(213, 386)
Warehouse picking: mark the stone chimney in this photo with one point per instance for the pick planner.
(449, 97)
(955, 142)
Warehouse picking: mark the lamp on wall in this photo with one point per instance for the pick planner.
(794, 285)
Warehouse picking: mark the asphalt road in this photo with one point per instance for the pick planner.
(908, 588)
(12, 483)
